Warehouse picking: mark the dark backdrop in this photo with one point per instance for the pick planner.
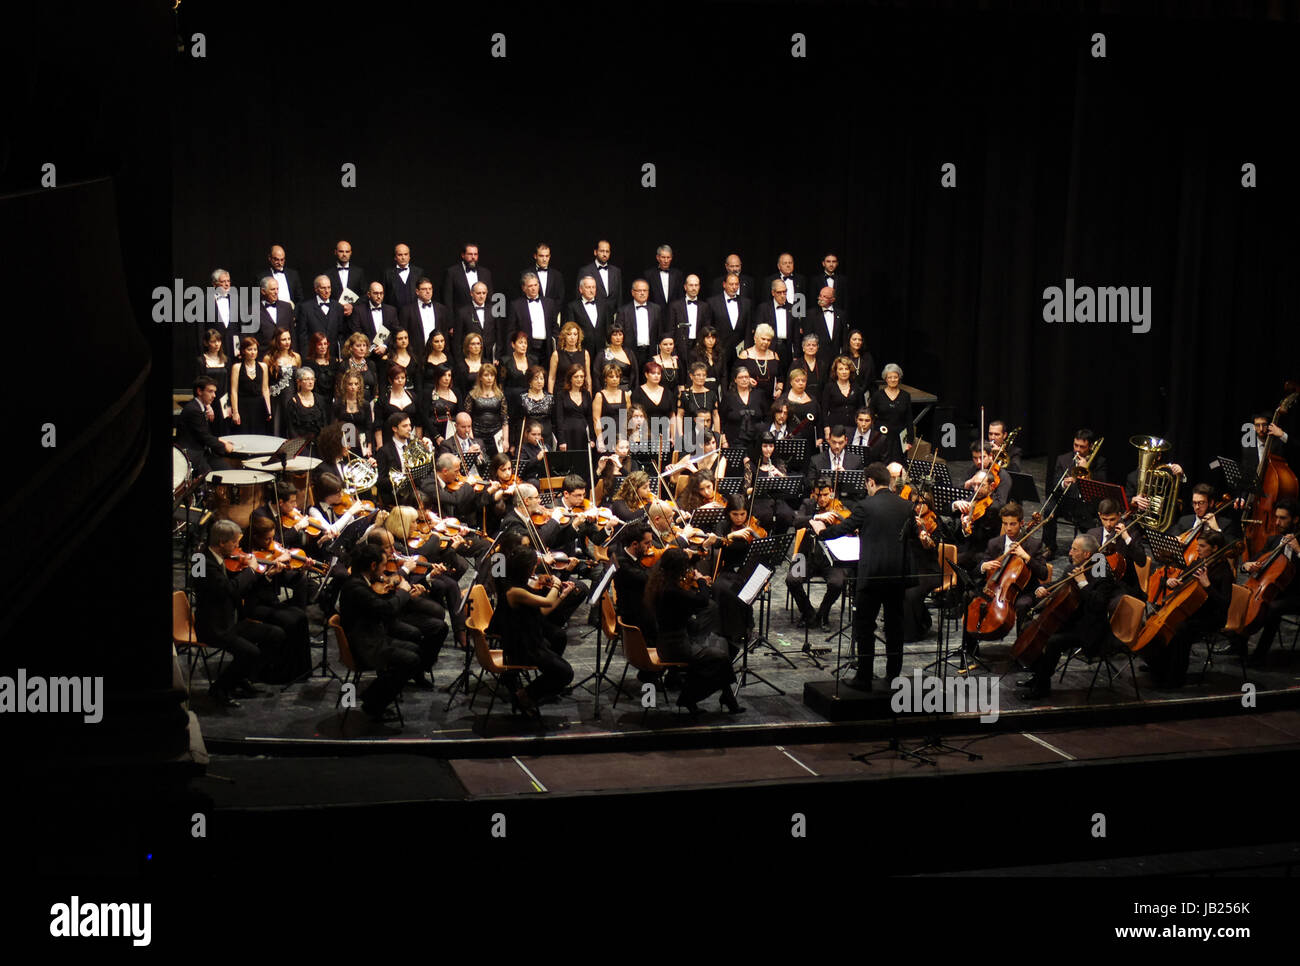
(1122, 171)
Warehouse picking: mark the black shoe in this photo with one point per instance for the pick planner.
(729, 702)
(824, 621)
(221, 698)
(1026, 682)
(423, 683)
(527, 706)
(806, 620)
(690, 706)
(384, 715)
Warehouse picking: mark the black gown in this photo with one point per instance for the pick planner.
(384, 409)
(742, 422)
(614, 411)
(717, 370)
(542, 411)
(361, 420)
(572, 421)
(303, 420)
(625, 369)
(658, 414)
(839, 409)
(440, 416)
(893, 416)
(566, 360)
(462, 380)
(253, 417)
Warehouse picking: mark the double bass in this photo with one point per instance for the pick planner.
(1274, 481)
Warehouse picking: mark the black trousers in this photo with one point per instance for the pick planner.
(295, 653)
(1270, 619)
(872, 597)
(1062, 642)
(250, 645)
(916, 616)
(421, 621)
(836, 577)
(708, 669)
(554, 673)
(395, 662)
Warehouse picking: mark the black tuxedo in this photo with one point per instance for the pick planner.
(467, 321)
(1134, 553)
(554, 287)
(362, 320)
(729, 337)
(455, 285)
(194, 436)
(312, 320)
(232, 333)
(271, 316)
(678, 326)
(877, 444)
(295, 293)
(994, 549)
(356, 281)
(820, 465)
(627, 318)
(520, 321)
(800, 288)
(884, 523)
(765, 314)
(219, 595)
(367, 617)
(829, 345)
(397, 292)
(615, 289)
(410, 318)
(817, 282)
(1066, 460)
(676, 278)
(593, 338)
(746, 286)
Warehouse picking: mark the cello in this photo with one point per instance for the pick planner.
(993, 613)
(1273, 574)
(1274, 480)
(1185, 600)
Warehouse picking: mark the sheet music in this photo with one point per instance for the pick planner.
(599, 590)
(754, 586)
(844, 549)
(349, 297)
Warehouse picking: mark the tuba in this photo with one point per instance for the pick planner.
(1157, 483)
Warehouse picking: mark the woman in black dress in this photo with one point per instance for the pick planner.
(864, 367)
(766, 367)
(777, 516)
(486, 405)
(466, 368)
(523, 608)
(352, 410)
(213, 363)
(670, 364)
(397, 399)
(250, 402)
(573, 412)
(356, 358)
(633, 496)
(435, 355)
(514, 368)
(615, 353)
(607, 408)
(660, 405)
(281, 361)
(892, 405)
(817, 375)
(441, 404)
(742, 410)
(567, 354)
(320, 356)
(399, 353)
(538, 405)
(304, 412)
(804, 409)
(842, 397)
(697, 407)
(709, 352)
(669, 606)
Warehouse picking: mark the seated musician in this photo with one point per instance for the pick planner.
(389, 457)
(978, 530)
(981, 460)
(418, 618)
(531, 463)
(1253, 453)
(446, 566)
(219, 594)
(668, 606)
(1168, 664)
(700, 491)
(633, 496)
(523, 637)
(1129, 547)
(1286, 514)
(446, 493)
(499, 496)
(194, 433)
(462, 444)
(635, 541)
(997, 438)
(867, 436)
(262, 602)
(835, 458)
(572, 538)
(776, 514)
(1190, 524)
(613, 468)
(1070, 507)
(1030, 550)
(527, 511)
(736, 531)
(923, 547)
(368, 619)
(1088, 627)
(284, 505)
(820, 505)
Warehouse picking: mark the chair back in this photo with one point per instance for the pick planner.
(1237, 609)
(798, 542)
(489, 658)
(480, 608)
(948, 552)
(1144, 572)
(609, 618)
(345, 650)
(634, 647)
(1126, 619)
(1049, 575)
(182, 621)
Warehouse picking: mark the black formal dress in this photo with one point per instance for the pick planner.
(367, 618)
(488, 414)
(253, 417)
(567, 360)
(708, 668)
(361, 422)
(893, 416)
(541, 411)
(384, 408)
(524, 640)
(839, 409)
(626, 370)
(463, 378)
(743, 419)
(572, 421)
(302, 420)
(439, 416)
(658, 414)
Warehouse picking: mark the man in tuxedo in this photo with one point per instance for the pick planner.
(345, 274)
(550, 280)
(1286, 515)
(867, 435)
(665, 281)
(272, 312)
(997, 438)
(817, 564)
(883, 521)
(321, 314)
(532, 314)
(1200, 517)
(593, 315)
(194, 434)
(1252, 455)
(733, 266)
(223, 313)
(829, 277)
(463, 276)
(609, 277)
(835, 458)
(992, 555)
(641, 320)
(1071, 507)
(476, 317)
(981, 461)
(422, 316)
(464, 503)
(732, 314)
(686, 316)
(828, 325)
(462, 444)
(400, 277)
(777, 313)
(290, 282)
(795, 285)
(371, 316)
(397, 433)
(1128, 545)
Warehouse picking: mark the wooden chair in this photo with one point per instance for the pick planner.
(1125, 623)
(1234, 625)
(609, 624)
(642, 657)
(184, 637)
(478, 617)
(492, 661)
(354, 671)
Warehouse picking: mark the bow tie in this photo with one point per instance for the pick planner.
(531, 301)
(786, 278)
(403, 268)
(588, 302)
(376, 308)
(602, 267)
(690, 301)
(638, 306)
(470, 268)
(344, 267)
(426, 305)
(732, 298)
(324, 305)
(268, 305)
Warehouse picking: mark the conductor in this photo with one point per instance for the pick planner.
(883, 522)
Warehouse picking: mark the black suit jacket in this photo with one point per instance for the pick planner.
(675, 279)
(218, 595)
(519, 320)
(800, 288)
(455, 286)
(765, 314)
(366, 616)
(820, 465)
(746, 286)
(615, 290)
(730, 337)
(312, 320)
(1066, 460)
(356, 281)
(678, 325)
(1032, 546)
(232, 333)
(554, 287)
(195, 432)
(626, 317)
(361, 320)
(593, 339)
(877, 444)
(295, 293)
(397, 292)
(884, 523)
(408, 318)
(467, 321)
(270, 317)
(828, 345)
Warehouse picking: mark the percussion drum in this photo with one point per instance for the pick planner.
(235, 494)
(295, 470)
(181, 474)
(248, 444)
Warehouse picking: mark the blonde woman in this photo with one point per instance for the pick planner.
(486, 405)
(765, 367)
(568, 353)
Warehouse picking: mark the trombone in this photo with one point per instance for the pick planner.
(1083, 472)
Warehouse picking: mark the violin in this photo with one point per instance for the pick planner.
(752, 530)
(835, 512)
(992, 479)
(298, 558)
(543, 582)
(239, 560)
(385, 584)
(462, 480)
(396, 562)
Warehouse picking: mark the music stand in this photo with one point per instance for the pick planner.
(1023, 488)
(287, 451)
(945, 494)
(765, 552)
(1092, 492)
(729, 484)
(793, 450)
(847, 481)
(599, 674)
(706, 517)
(846, 560)
(735, 460)
(569, 464)
(919, 470)
(1233, 473)
(1165, 548)
(966, 590)
(779, 487)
